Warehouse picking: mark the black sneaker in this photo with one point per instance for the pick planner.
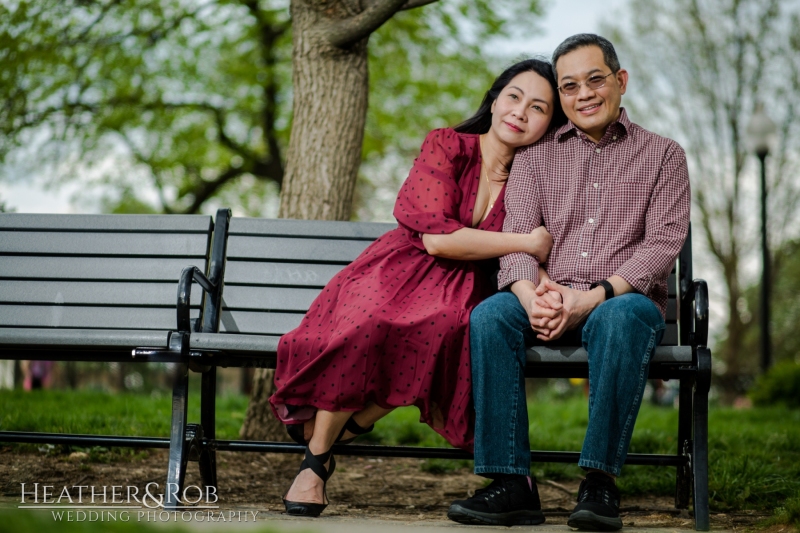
(505, 502)
(598, 505)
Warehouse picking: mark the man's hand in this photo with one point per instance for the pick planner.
(576, 306)
(543, 323)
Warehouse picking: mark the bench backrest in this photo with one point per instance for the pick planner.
(276, 267)
(97, 271)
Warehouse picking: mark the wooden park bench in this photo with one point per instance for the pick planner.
(273, 271)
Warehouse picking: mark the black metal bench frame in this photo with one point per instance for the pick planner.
(197, 442)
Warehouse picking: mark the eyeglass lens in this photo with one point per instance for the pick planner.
(594, 82)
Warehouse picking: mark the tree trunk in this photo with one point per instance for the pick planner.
(331, 87)
(259, 423)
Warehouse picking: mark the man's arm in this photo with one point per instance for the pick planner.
(523, 214)
(666, 225)
(520, 272)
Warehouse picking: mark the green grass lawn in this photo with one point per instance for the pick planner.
(754, 453)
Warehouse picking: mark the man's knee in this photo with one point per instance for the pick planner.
(627, 310)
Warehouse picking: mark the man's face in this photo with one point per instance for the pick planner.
(591, 110)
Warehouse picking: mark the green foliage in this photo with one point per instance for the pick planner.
(784, 308)
(779, 386)
(754, 454)
(102, 413)
(177, 106)
(788, 513)
(168, 96)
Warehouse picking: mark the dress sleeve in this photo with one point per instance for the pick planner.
(428, 201)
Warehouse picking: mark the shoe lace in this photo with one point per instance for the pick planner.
(495, 488)
(594, 492)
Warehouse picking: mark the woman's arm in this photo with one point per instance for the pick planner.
(468, 244)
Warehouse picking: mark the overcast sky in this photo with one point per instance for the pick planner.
(562, 19)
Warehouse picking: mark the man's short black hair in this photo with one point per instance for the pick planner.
(587, 39)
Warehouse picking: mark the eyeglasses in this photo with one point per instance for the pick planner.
(571, 88)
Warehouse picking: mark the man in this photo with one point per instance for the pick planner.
(615, 197)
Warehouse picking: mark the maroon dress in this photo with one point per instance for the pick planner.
(393, 326)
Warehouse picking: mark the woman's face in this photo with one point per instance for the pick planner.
(522, 111)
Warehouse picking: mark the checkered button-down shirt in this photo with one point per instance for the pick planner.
(620, 206)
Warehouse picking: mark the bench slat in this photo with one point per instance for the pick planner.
(86, 338)
(104, 223)
(297, 274)
(255, 323)
(95, 293)
(254, 344)
(268, 298)
(96, 268)
(60, 316)
(294, 249)
(104, 244)
(578, 356)
(309, 228)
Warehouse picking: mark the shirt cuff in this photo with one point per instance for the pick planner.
(522, 267)
(638, 277)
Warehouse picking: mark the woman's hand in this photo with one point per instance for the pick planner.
(541, 242)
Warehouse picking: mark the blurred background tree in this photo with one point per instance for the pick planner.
(698, 69)
(181, 107)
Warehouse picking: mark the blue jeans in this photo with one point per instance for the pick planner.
(620, 336)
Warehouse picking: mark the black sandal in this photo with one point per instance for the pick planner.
(317, 464)
(295, 431)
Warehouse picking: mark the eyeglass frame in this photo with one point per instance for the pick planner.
(581, 84)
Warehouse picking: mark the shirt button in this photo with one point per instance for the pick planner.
(614, 138)
(584, 254)
(596, 185)
(591, 221)
(597, 150)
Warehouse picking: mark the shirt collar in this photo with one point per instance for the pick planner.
(622, 125)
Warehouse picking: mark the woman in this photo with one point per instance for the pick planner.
(391, 329)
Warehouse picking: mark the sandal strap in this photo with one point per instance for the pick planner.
(353, 427)
(317, 464)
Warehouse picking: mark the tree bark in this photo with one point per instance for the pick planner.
(259, 422)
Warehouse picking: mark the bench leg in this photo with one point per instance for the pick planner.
(683, 481)
(208, 457)
(178, 454)
(700, 441)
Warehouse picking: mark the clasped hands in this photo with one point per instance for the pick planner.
(553, 309)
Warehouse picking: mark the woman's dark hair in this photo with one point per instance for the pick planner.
(481, 121)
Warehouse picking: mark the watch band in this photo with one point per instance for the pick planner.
(606, 285)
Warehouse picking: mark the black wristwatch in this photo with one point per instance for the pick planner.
(609, 288)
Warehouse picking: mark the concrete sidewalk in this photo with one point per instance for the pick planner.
(372, 525)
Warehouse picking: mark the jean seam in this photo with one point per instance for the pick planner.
(650, 345)
(502, 470)
(512, 448)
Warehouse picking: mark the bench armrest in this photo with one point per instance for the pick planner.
(698, 295)
(189, 274)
